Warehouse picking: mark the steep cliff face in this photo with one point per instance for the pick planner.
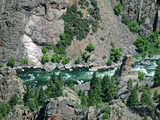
(111, 30)
(10, 84)
(26, 25)
(146, 12)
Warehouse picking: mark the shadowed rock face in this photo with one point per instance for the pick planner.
(125, 75)
(25, 26)
(146, 12)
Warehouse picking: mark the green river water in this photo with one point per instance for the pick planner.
(39, 77)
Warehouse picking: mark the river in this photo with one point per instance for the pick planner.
(38, 77)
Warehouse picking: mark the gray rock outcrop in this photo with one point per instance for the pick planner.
(10, 84)
(125, 75)
(62, 108)
(146, 12)
(25, 26)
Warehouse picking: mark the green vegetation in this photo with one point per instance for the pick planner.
(140, 76)
(1, 65)
(78, 60)
(66, 60)
(90, 47)
(95, 91)
(11, 62)
(109, 63)
(118, 9)
(156, 95)
(148, 46)
(115, 54)
(141, 44)
(145, 97)
(85, 56)
(45, 59)
(129, 85)
(33, 98)
(125, 20)
(44, 50)
(134, 27)
(132, 100)
(24, 62)
(6, 107)
(56, 58)
(156, 78)
(70, 84)
(107, 112)
(109, 88)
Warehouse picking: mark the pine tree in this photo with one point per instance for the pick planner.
(157, 76)
(132, 100)
(109, 88)
(53, 78)
(145, 98)
(59, 85)
(41, 97)
(129, 85)
(156, 95)
(95, 91)
(29, 94)
(84, 99)
(70, 84)
(13, 100)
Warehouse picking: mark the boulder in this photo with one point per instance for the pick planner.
(62, 108)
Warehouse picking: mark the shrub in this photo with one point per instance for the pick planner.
(109, 63)
(140, 76)
(78, 60)
(11, 62)
(115, 53)
(1, 65)
(24, 62)
(66, 60)
(126, 20)
(141, 44)
(90, 47)
(85, 56)
(44, 50)
(56, 58)
(133, 26)
(102, 38)
(118, 9)
(45, 59)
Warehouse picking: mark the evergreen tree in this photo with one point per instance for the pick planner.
(157, 76)
(29, 94)
(70, 84)
(95, 91)
(84, 99)
(129, 85)
(41, 97)
(13, 100)
(55, 86)
(156, 95)
(132, 100)
(53, 78)
(145, 98)
(109, 88)
(59, 86)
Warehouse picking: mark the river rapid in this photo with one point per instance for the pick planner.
(39, 77)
